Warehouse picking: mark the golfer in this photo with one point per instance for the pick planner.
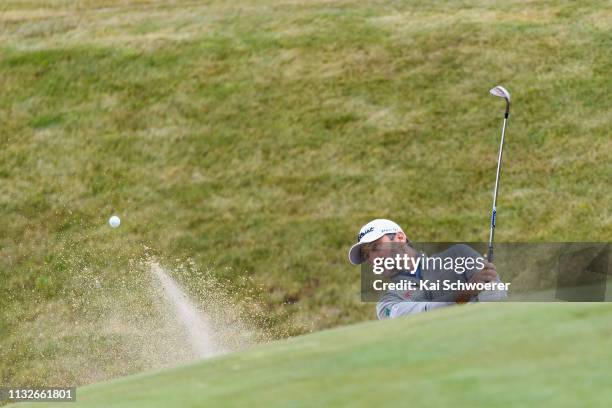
(382, 238)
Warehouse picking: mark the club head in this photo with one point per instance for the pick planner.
(501, 92)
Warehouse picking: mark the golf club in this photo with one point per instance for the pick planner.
(501, 92)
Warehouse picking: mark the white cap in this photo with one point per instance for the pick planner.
(370, 233)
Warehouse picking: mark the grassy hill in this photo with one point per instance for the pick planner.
(484, 355)
(253, 138)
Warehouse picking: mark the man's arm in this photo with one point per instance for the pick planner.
(392, 305)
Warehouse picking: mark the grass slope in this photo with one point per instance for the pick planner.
(256, 136)
(482, 355)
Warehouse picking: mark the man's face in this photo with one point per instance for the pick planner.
(382, 247)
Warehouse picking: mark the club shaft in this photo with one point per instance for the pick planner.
(495, 191)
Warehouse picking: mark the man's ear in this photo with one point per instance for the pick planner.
(400, 236)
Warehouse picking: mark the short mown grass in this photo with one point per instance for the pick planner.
(510, 355)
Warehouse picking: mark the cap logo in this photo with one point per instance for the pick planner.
(361, 234)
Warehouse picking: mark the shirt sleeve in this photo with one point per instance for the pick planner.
(392, 305)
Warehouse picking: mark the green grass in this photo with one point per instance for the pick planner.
(482, 355)
(255, 137)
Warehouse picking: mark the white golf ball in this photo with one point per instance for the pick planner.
(114, 221)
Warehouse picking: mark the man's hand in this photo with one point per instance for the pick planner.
(487, 274)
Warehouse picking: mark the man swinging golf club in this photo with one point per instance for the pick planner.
(383, 239)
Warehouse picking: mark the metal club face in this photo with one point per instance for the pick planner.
(501, 92)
